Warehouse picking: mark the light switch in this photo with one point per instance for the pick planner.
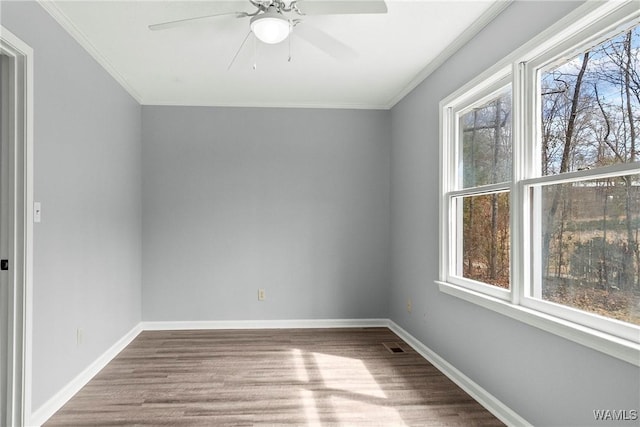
(37, 212)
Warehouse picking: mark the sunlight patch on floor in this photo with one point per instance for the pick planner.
(298, 363)
(309, 405)
(347, 393)
(358, 412)
(344, 373)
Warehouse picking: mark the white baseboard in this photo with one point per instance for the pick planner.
(265, 324)
(51, 406)
(496, 407)
(490, 402)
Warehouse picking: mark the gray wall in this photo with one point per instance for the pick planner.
(292, 201)
(546, 379)
(87, 177)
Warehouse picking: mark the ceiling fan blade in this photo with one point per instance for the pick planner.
(324, 41)
(339, 7)
(179, 22)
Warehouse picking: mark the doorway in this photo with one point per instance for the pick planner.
(16, 229)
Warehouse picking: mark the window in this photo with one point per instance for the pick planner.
(481, 187)
(540, 182)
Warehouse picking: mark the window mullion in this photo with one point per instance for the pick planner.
(518, 250)
(467, 211)
(447, 168)
(603, 172)
(481, 190)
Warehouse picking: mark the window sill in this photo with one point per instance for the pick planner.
(611, 345)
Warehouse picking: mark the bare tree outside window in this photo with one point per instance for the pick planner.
(591, 228)
(539, 209)
(487, 159)
(486, 143)
(486, 239)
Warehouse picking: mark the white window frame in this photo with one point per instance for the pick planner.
(484, 93)
(585, 26)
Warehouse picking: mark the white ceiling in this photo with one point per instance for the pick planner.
(188, 65)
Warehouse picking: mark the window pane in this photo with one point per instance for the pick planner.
(485, 239)
(590, 254)
(486, 142)
(590, 107)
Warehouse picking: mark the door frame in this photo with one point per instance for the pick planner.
(19, 334)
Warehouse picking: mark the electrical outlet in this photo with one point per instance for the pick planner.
(409, 305)
(261, 295)
(79, 336)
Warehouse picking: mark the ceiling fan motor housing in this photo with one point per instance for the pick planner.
(271, 26)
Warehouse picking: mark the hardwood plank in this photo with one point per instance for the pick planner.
(271, 377)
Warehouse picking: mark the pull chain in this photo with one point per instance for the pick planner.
(255, 49)
(290, 28)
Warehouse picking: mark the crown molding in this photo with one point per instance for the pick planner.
(470, 32)
(494, 10)
(84, 41)
(309, 105)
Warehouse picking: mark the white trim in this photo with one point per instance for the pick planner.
(571, 40)
(327, 106)
(612, 171)
(28, 250)
(84, 41)
(445, 176)
(51, 406)
(491, 88)
(486, 399)
(558, 31)
(263, 324)
(482, 190)
(469, 33)
(451, 187)
(585, 24)
(23, 227)
(597, 340)
(590, 320)
(480, 287)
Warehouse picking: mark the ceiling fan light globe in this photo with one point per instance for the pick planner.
(270, 28)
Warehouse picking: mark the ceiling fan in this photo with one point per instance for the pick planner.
(274, 20)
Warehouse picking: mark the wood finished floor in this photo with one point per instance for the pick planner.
(295, 377)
